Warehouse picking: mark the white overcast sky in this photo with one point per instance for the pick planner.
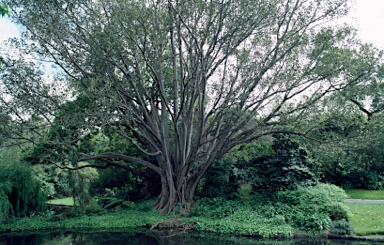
(366, 15)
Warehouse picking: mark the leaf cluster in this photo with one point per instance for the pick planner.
(4, 9)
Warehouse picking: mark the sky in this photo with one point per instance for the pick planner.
(366, 15)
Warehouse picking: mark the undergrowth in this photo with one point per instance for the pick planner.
(310, 209)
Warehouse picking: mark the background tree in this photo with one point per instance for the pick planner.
(184, 81)
(348, 133)
(20, 193)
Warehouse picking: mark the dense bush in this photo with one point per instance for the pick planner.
(341, 227)
(19, 192)
(215, 207)
(353, 177)
(289, 168)
(53, 180)
(285, 166)
(125, 185)
(361, 179)
(220, 180)
(314, 208)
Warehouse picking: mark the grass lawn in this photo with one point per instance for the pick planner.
(367, 219)
(68, 201)
(365, 194)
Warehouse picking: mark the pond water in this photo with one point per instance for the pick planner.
(117, 238)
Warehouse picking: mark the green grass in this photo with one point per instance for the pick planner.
(140, 216)
(68, 201)
(365, 194)
(367, 219)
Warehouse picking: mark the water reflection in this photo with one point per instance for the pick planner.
(131, 238)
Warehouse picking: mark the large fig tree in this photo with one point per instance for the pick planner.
(184, 81)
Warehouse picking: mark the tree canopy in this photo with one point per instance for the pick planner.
(4, 9)
(183, 81)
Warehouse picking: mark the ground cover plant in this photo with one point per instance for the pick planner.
(367, 219)
(141, 215)
(258, 216)
(311, 209)
(366, 194)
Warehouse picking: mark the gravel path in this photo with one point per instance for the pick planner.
(363, 201)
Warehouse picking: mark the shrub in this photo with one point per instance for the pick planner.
(215, 207)
(359, 179)
(284, 166)
(93, 208)
(314, 208)
(220, 180)
(53, 180)
(244, 192)
(289, 168)
(314, 223)
(341, 227)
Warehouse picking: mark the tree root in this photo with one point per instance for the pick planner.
(173, 225)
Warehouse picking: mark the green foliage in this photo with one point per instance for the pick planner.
(93, 208)
(118, 220)
(80, 181)
(352, 176)
(130, 89)
(4, 9)
(19, 193)
(351, 129)
(215, 208)
(314, 208)
(362, 179)
(246, 221)
(5, 205)
(313, 223)
(53, 180)
(288, 168)
(220, 179)
(311, 209)
(341, 227)
(263, 216)
(244, 192)
(121, 183)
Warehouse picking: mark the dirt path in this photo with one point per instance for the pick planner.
(364, 201)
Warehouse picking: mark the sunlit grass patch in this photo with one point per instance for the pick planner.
(365, 194)
(367, 219)
(68, 201)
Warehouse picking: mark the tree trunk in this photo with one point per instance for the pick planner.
(176, 194)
